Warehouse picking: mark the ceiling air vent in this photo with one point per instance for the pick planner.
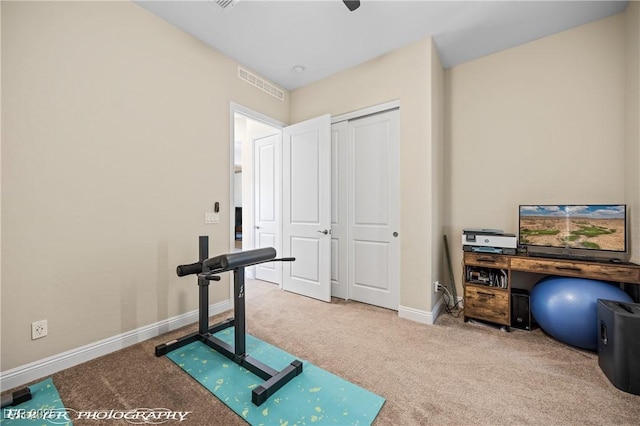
(260, 83)
(226, 3)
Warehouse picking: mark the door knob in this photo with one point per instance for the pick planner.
(324, 231)
(257, 227)
(395, 234)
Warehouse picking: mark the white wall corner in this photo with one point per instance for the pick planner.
(418, 315)
(45, 367)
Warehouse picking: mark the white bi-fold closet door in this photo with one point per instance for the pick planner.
(365, 209)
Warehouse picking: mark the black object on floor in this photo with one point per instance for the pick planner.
(618, 343)
(15, 398)
(521, 309)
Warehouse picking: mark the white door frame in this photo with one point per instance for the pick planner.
(366, 111)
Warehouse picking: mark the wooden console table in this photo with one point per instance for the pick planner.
(487, 280)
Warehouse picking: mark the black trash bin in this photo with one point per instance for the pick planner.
(619, 343)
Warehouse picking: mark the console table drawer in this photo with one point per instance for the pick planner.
(596, 271)
(487, 303)
(486, 260)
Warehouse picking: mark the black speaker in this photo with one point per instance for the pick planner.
(520, 309)
(619, 345)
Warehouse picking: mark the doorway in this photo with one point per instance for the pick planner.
(276, 184)
(251, 226)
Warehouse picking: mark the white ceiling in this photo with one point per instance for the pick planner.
(271, 37)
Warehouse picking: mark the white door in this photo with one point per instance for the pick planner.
(306, 212)
(339, 210)
(266, 185)
(374, 209)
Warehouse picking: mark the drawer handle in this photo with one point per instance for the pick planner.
(569, 268)
(486, 259)
(486, 294)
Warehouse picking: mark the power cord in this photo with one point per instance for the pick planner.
(448, 307)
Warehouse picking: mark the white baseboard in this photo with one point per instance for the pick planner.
(437, 309)
(45, 367)
(418, 315)
(424, 317)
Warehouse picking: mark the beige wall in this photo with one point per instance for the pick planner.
(404, 74)
(632, 104)
(538, 123)
(115, 142)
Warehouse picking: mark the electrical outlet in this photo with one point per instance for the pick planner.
(38, 329)
(436, 286)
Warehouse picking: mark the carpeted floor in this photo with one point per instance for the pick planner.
(448, 373)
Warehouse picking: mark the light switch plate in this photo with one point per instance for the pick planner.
(211, 218)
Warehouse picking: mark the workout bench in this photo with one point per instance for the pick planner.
(209, 270)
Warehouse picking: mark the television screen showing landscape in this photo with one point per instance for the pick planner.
(595, 227)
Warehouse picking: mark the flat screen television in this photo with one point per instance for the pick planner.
(588, 231)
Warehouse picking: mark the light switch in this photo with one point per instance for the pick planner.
(210, 218)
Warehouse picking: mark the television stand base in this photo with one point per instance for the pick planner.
(493, 304)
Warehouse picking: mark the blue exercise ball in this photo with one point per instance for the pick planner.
(567, 308)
